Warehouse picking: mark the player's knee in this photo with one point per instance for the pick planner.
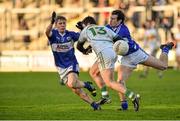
(93, 73)
(122, 82)
(70, 84)
(108, 84)
(77, 91)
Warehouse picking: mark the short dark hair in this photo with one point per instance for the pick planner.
(88, 19)
(120, 15)
(60, 18)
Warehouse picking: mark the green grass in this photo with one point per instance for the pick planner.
(39, 96)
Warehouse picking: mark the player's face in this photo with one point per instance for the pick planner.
(61, 25)
(114, 21)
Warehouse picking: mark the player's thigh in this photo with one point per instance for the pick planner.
(108, 75)
(153, 62)
(119, 73)
(72, 77)
(64, 72)
(94, 70)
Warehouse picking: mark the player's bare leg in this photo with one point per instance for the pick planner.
(86, 98)
(96, 76)
(123, 75)
(146, 69)
(83, 95)
(159, 72)
(162, 62)
(108, 77)
(76, 86)
(73, 82)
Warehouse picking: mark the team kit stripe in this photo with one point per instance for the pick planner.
(102, 60)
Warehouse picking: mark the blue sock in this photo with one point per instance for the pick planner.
(94, 105)
(165, 50)
(124, 105)
(87, 85)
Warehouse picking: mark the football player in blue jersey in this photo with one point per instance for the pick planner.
(62, 45)
(130, 60)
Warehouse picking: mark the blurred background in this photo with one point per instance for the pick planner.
(24, 46)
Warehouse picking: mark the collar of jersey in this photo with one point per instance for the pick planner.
(60, 33)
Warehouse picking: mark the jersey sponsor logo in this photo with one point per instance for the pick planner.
(62, 47)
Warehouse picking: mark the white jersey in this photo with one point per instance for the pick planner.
(99, 37)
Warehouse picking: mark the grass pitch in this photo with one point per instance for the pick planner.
(39, 96)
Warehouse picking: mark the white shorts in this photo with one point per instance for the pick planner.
(63, 72)
(106, 59)
(133, 59)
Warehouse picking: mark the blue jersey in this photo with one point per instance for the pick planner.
(63, 48)
(123, 32)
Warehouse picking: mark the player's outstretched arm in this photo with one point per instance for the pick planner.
(50, 26)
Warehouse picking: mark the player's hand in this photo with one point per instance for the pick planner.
(79, 25)
(53, 17)
(88, 50)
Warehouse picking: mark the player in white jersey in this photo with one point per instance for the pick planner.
(101, 40)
